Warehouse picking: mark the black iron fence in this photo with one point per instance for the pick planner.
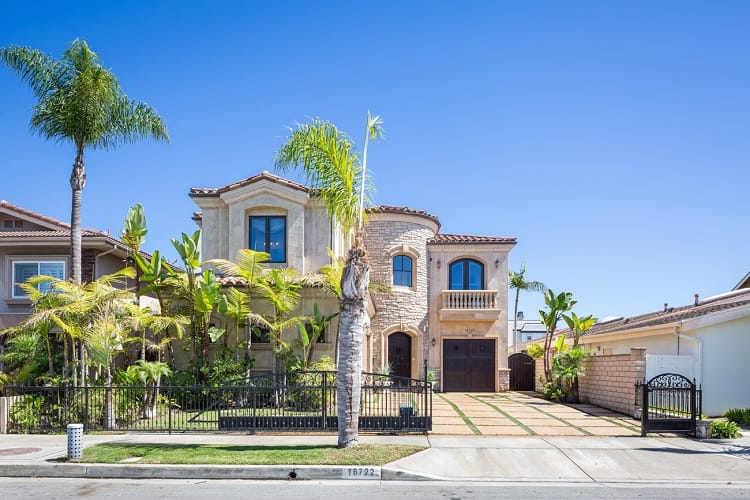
(282, 402)
(668, 403)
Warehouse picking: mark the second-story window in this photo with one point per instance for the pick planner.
(402, 271)
(467, 274)
(268, 234)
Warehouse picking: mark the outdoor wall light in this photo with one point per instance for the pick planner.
(433, 342)
(497, 262)
(438, 263)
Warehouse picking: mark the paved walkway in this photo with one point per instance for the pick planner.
(523, 414)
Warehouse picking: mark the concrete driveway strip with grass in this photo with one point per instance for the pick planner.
(520, 414)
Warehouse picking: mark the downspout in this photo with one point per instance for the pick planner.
(699, 348)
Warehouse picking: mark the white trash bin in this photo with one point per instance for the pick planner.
(75, 441)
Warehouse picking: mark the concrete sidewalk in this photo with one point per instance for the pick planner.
(586, 459)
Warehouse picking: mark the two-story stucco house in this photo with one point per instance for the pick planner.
(447, 305)
(33, 244)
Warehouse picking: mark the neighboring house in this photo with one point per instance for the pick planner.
(708, 340)
(527, 330)
(446, 309)
(744, 283)
(33, 244)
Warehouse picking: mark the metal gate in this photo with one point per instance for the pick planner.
(669, 403)
(521, 372)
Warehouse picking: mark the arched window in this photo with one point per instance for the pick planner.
(402, 270)
(467, 274)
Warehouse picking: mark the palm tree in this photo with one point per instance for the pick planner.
(517, 281)
(331, 166)
(81, 101)
(249, 267)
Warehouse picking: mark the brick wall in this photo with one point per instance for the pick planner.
(609, 381)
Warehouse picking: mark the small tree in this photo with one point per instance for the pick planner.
(517, 281)
(556, 306)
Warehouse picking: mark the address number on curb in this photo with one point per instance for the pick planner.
(361, 473)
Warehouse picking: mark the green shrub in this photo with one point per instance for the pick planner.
(553, 391)
(26, 415)
(738, 415)
(724, 429)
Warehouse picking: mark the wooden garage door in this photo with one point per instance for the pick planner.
(469, 365)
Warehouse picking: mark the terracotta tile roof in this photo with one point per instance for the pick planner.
(389, 209)
(52, 234)
(673, 314)
(265, 175)
(231, 281)
(445, 239)
(34, 215)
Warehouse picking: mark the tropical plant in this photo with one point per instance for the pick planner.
(557, 304)
(80, 101)
(26, 414)
(579, 326)
(567, 366)
(328, 159)
(249, 266)
(517, 281)
(150, 374)
(535, 350)
(307, 341)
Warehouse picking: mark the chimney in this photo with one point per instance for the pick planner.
(519, 316)
(666, 306)
(697, 299)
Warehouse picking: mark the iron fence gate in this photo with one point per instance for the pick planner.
(668, 403)
(293, 401)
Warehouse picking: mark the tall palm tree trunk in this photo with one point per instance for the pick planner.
(354, 282)
(515, 321)
(77, 182)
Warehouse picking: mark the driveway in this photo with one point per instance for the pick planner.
(523, 414)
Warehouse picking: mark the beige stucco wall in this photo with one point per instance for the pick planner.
(225, 225)
(496, 278)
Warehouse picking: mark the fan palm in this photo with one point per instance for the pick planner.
(80, 101)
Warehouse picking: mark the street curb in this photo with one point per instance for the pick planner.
(249, 472)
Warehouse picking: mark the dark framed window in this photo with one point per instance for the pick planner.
(260, 334)
(402, 270)
(268, 234)
(466, 274)
(321, 338)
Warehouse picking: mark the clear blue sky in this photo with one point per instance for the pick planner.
(611, 138)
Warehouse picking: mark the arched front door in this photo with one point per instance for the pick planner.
(399, 354)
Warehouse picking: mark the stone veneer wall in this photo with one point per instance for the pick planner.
(88, 265)
(609, 381)
(403, 308)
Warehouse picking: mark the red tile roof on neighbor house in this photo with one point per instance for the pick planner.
(15, 208)
(389, 209)
(61, 232)
(447, 239)
(265, 175)
(669, 315)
